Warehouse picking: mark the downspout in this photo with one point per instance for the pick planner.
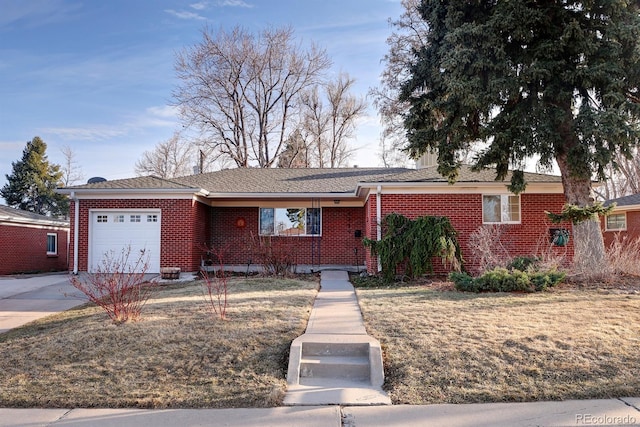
(379, 220)
(76, 228)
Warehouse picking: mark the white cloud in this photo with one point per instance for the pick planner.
(234, 3)
(94, 133)
(185, 15)
(37, 13)
(200, 5)
(164, 111)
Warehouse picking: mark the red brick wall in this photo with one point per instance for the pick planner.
(631, 233)
(184, 225)
(337, 245)
(465, 213)
(24, 250)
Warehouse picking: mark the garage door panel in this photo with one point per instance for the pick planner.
(114, 231)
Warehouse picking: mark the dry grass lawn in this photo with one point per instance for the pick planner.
(453, 347)
(178, 355)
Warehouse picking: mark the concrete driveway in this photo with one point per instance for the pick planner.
(24, 299)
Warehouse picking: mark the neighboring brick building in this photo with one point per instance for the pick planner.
(318, 217)
(31, 243)
(624, 220)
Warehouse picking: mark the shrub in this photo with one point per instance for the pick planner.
(276, 255)
(215, 289)
(523, 263)
(502, 280)
(463, 282)
(411, 244)
(544, 280)
(118, 286)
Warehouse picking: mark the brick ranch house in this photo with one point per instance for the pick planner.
(31, 243)
(623, 221)
(318, 216)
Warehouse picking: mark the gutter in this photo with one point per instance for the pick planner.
(379, 220)
(76, 228)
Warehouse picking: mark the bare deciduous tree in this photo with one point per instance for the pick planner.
(171, 158)
(410, 34)
(238, 90)
(624, 179)
(327, 128)
(344, 110)
(71, 172)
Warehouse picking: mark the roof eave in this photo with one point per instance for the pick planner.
(132, 191)
(255, 195)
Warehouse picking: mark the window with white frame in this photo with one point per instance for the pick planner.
(52, 243)
(134, 218)
(616, 222)
(290, 221)
(118, 218)
(500, 209)
(101, 218)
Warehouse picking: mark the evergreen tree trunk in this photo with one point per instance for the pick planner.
(588, 243)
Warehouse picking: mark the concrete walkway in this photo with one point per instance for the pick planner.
(335, 362)
(604, 412)
(24, 299)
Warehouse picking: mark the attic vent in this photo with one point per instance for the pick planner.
(95, 180)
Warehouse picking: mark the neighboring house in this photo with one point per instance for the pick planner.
(32, 243)
(318, 217)
(624, 220)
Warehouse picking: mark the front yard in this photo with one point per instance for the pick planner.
(440, 346)
(453, 347)
(177, 356)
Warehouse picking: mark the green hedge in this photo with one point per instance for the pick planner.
(503, 280)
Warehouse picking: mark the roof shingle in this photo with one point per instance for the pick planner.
(303, 180)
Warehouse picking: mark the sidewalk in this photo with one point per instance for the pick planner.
(47, 292)
(607, 412)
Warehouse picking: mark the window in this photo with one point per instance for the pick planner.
(101, 218)
(118, 218)
(52, 244)
(616, 222)
(502, 208)
(152, 218)
(134, 218)
(290, 221)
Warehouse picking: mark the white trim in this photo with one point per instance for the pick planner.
(76, 231)
(457, 188)
(55, 251)
(625, 208)
(93, 211)
(287, 235)
(606, 223)
(36, 226)
(379, 221)
(285, 203)
(502, 198)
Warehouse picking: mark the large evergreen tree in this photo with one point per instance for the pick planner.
(32, 184)
(554, 79)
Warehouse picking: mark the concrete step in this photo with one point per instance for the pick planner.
(345, 367)
(335, 349)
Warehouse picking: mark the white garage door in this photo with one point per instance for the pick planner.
(113, 231)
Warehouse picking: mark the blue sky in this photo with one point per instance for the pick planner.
(97, 75)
